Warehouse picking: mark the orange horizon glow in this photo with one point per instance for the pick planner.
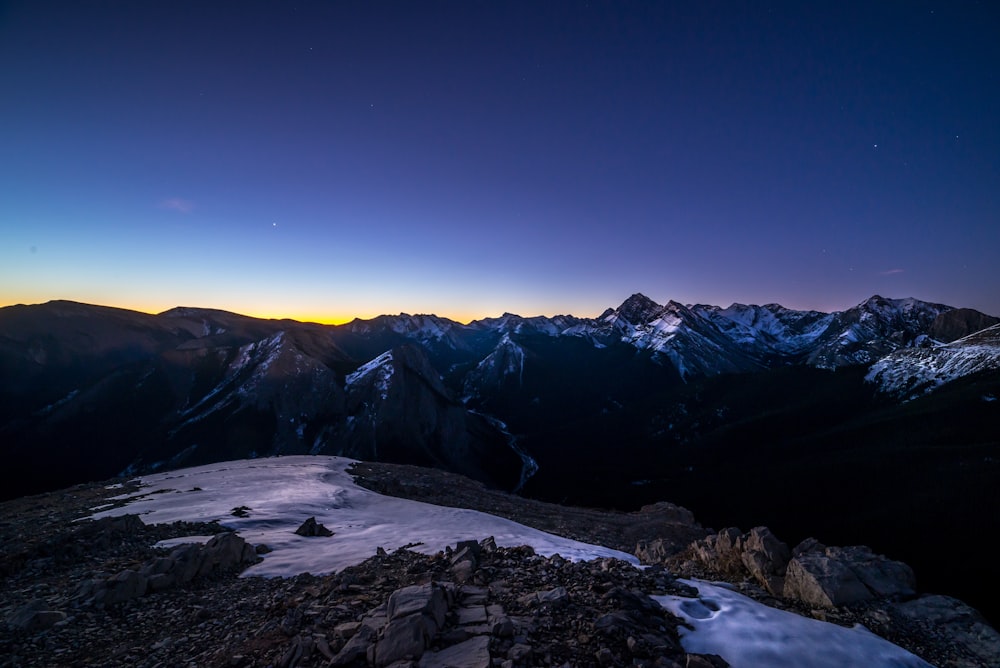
(262, 314)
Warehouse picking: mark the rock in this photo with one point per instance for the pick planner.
(429, 599)
(346, 629)
(473, 546)
(187, 562)
(765, 557)
(503, 627)
(519, 652)
(555, 598)
(34, 616)
(728, 540)
(883, 577)
(818, 580)
(670, 513)
(224, 551)
(403, 637)
(310, 528)
(841, 575)
(126, 585)
(357, 646)
(653, 551)
(720, 552)
(463, 571)
(961, 623)
(414, 615)
(808, 545)
(160, 582)
(472, 615)
(473, 653)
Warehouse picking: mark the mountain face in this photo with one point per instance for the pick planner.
(746, 414)
(192, 385)
(88, 392)
(873, 329)
(399, 410)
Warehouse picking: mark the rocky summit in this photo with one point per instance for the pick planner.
(98, 593)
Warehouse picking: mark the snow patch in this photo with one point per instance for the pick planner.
(281, 492)
(748, 634)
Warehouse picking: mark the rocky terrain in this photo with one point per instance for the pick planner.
(95, 593)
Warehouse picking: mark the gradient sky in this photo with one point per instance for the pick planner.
(325, 160)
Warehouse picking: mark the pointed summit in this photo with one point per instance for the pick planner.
(638, 309)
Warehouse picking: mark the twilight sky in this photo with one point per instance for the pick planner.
(325, 160)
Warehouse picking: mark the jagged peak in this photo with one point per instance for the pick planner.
(638, 309)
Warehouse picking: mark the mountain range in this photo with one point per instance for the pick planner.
(848, 422)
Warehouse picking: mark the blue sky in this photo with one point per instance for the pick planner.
(326, 160)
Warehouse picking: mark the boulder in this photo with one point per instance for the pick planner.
(720, 552)
(818, 580)
(402, 638)
(832, 576)
(555, 598)
(185, 563)
(884, 577)
(34, 616)
(357, 647)
(765, 557)
(124, 586)
(311, 528)
(429, 599)
(653, 551)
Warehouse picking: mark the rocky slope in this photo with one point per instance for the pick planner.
(474, 605)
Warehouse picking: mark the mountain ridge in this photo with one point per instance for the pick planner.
(730, 411)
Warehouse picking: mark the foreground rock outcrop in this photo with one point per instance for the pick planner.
(844, 585)
(473, 604)
(223, 552)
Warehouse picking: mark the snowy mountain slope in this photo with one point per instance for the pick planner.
(281, 492)
(873, 329)
(510, 323)
(430, 330)
(911, 372)
(769, 329)
(693, 344)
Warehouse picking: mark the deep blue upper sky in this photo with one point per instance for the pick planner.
(324, 160)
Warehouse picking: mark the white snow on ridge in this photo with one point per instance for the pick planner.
(911, 372)
(281, 492)
(382, 365)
